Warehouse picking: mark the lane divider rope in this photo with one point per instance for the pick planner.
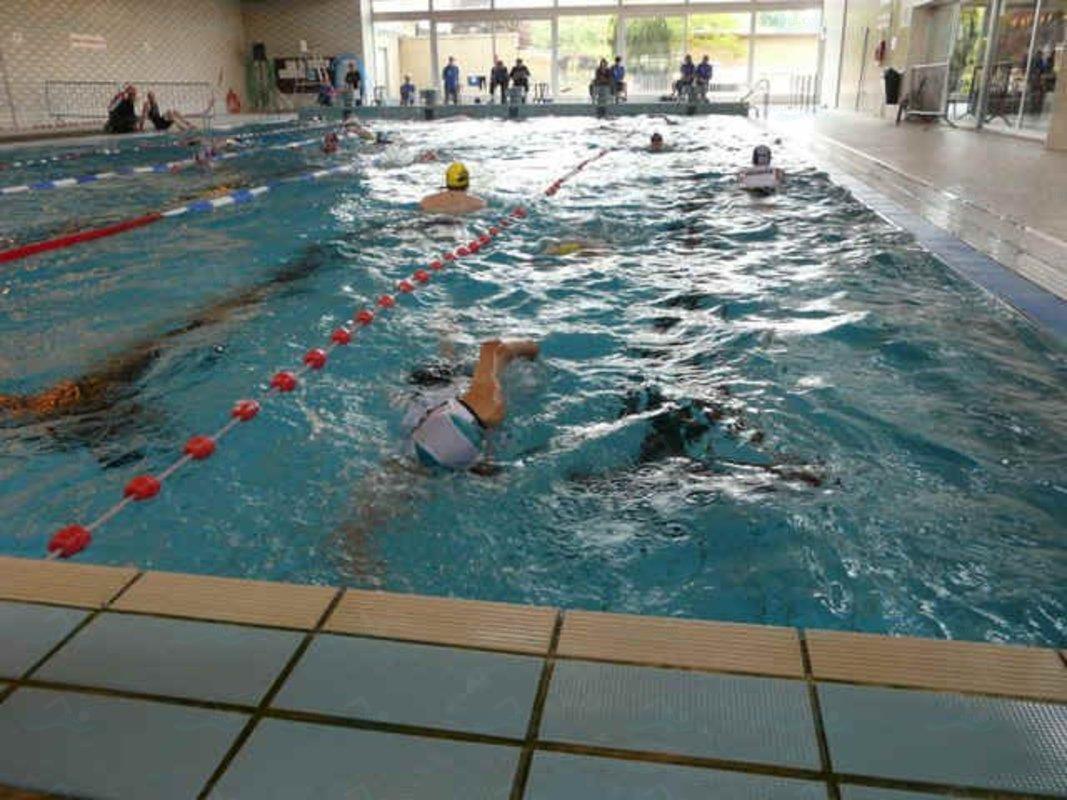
(146, 169)
(234, 197)
(72, 539)
(156, 145)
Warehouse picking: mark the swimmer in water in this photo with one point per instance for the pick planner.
(451, 434)
(330, 143)
(573, 247)
(353, 127)
(455, 199)
(761, 177)
(656, 144)
(426, 157)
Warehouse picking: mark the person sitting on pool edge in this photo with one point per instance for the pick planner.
(451, 435)
(162, 121)
(455, 198)
(122, 111)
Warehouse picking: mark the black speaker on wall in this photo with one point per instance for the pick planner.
(259, 52)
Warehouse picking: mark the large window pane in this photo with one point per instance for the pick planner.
(724, 38)
(386, 6)
(588, 2)
(1008, 70)
(471, 45)
(654, 50)
(786, 52)
(523, 3)
(583, 41)
(459, 5)
(530, 40)
(1050, 35)
(400, 49)
(965, 61)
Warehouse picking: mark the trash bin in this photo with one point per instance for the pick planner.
(893, 79)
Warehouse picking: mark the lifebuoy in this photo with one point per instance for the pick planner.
(233, 102)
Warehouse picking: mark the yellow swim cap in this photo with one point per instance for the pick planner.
(457, 177)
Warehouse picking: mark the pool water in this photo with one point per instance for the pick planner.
(775, 410)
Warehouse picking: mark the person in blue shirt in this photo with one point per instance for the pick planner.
(618, 79)
(686, 80)
(407, 92)
(450, 74)
(704, 71)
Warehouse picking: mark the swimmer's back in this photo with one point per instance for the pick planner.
(449, 202)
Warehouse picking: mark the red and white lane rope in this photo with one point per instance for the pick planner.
(72, 539)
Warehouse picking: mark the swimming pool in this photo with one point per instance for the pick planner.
(772, 410)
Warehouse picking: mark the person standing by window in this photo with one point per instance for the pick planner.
(618, 79)
(407, 92)
(499, 77)
(450, 75)
(688, 73)
(703, 73)
(354, 81)
(520, 77)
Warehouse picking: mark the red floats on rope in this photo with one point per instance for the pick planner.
(462, 251)
(386, 301)
(519, 213)
(504, 222)
(483, 240)
(449, 256)
(436, 265)
(494, 231)
(69, 540)
(365, 317)
(142, 487)
(316, 359)
(405, 286)
(283, 381)
(341, 336)
(245, 410)
(200, 447)
(421, 275)
(474, 246)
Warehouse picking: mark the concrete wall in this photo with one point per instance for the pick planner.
(117, 41)
(328, 26)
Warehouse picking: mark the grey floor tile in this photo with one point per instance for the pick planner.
(945, 738)
(762, 720)
(560, 776)
(29, 631)
(293, 759)
(440, 687)
(871, 793)
(203, 660)
(88, 746)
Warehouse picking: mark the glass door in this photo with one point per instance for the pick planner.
(965, 62)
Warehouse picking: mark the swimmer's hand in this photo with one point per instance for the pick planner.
(486, 469)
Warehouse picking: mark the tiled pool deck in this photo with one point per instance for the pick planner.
(118, 683)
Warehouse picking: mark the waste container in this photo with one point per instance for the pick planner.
(893, 79)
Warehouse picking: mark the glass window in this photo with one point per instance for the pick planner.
(787, 61)
(806, 21)
(471, 44)
(530, 40)
(724, 38)
(654, 50)
(587, 3)
(459, 5)
(522, 4)
(583, 41)
(402, 49)
(1008, 78)
(386, 6)
(965, 61)
(1050, 48)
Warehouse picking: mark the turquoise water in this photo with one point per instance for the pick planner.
(769, 410)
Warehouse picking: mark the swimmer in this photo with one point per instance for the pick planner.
(573, 247)
(330, 143)
(353, 127)
(162, 121)
(426, 157)
(761, 177)
(656, 144)
(454, 199)
(451, 434)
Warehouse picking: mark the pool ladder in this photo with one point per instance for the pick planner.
(762, 85)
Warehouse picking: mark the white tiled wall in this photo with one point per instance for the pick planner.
(153, 40)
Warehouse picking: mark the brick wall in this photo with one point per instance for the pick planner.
(328, 26)
(115, 40)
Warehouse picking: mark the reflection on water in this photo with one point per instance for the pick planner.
(761, 409)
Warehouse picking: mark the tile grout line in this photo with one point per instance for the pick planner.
(533, 729)
(93, 614)
(268, 697)
(816, 715)
(703, 670)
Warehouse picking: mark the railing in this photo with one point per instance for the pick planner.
(803, 91)
(761, 86)
(89, 99)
